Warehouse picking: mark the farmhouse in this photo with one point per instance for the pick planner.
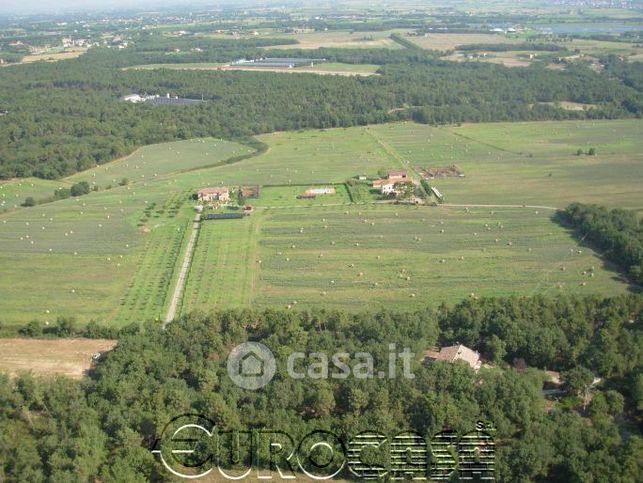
(455, 353)
(397, 175)
(214, 194)
(384, 186)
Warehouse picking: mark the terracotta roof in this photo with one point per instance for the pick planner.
(214, 191)
(397, 174)
(382, 182)
(459, 353)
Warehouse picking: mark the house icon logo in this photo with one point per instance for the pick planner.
(251, 365)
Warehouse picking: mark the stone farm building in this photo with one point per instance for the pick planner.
(397, 175)
(387, 185)
(455, 353)
(384, 186)
(214, 194)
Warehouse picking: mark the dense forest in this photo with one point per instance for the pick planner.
(60, 430)
(617, 233)
(67, 116)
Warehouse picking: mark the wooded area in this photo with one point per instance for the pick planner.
(68, 116)
(61, 430)
(617, 233)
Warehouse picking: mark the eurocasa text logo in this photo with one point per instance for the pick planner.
(252, 365)
(192, 447)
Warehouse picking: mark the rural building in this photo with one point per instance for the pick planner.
(437, 193)
(214, 194)
(455, 353)
(384, 186)
(250, 191)
(397, 175)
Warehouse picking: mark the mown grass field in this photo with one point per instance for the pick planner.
(529, 163)
(387, 256)
(113, 255)
(14, 192)
(109, 256)
(339, 39)
(162, 160)
(304, 157)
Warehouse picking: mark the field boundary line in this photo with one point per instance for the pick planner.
(489, 145)
(391, 152)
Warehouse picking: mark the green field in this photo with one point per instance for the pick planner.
(529, 163)
(113, 255)
(375, 256)
(14, 192)
(162, 161)
(109, 255)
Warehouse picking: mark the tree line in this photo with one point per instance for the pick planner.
(618, 233)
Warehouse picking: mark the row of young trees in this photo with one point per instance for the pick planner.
(618, 233)
(59, 430)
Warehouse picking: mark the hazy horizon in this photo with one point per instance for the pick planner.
(64, 6)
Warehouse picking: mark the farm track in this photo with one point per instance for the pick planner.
(185, 267)
(489, 145)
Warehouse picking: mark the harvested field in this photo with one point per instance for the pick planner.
(54, 56)
(44, 357)
(451, 41)
(305, 70)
